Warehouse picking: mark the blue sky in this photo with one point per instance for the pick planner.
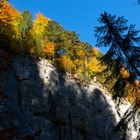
(81, 15)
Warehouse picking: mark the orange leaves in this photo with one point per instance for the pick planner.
(38, 39)
(41, 20)
(40, 23)
(7, 13)
(137, 82)
(49, 49)
(8, 20)
(66, 63)
(80, 53)
(125, 73)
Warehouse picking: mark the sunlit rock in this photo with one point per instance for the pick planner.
(45, 105)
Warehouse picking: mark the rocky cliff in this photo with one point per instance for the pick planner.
(39, 103)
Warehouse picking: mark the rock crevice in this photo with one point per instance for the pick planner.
(43, 104)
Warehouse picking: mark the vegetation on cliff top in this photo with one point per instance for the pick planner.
(45, 38)
(42, 37)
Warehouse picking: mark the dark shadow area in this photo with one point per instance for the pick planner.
(77, 112)
(20, 95)
(38, 103)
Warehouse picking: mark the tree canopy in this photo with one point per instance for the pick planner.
(43, 37)
(124, 51)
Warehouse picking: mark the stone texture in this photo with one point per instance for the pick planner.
(42, 104)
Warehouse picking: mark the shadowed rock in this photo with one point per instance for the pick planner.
(46, 105)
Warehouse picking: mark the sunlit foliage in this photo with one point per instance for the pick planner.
(49, 50)
(66, 64)
(38, 31)
(8, 25)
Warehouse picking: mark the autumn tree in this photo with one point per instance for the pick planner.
(94, 67)
(70, 43)
(55, 34)
(8, 24)
(39, 31)
(49, 50)
(25, 27)
(66, 64)
(123, 52)
(82, 57)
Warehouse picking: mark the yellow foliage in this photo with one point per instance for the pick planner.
(9, 19)
(133, 92)
(38, 31)
(80, 53)
(137, 82)
(49, 49)
(66, 63)
(125, 73)
(41, 19)
(40, 23)
(82, 70)
(96, 51)
(79, 62)
(94, 65)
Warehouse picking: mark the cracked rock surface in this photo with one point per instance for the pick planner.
(38, 103)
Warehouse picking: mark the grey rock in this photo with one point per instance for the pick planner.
(46, 105)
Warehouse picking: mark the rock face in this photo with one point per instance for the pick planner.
(38, 103)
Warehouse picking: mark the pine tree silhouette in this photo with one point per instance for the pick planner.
(123, 52)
